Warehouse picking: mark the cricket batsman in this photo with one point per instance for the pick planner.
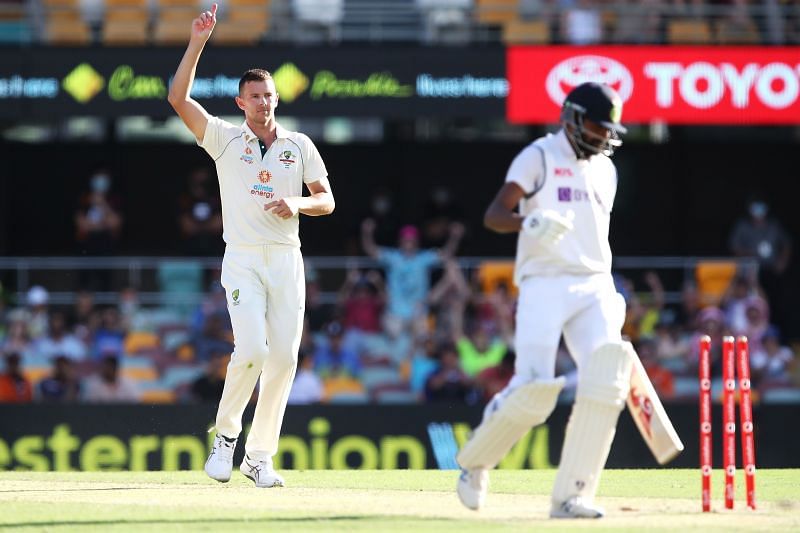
(564, 186)
(261, 169)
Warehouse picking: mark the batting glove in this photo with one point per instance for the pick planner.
(546, 225)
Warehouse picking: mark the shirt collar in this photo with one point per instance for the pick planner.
(564, 145)
(280, 132)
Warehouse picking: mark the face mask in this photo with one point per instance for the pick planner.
(381, 205)
(100, 183)
(758, 209)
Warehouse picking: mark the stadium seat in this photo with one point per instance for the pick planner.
(164, 396)
(173, 21)
(349, 398)
(126, 22)
(372, 377)
(180, 282)
(491, 273)
(138, 368)
(496, 12)
(728, 32)
(394, 394)
(341, 385)
(713, 279)
(688, 31)
(526, 32)
(140, 341)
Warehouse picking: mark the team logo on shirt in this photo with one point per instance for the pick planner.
(247, 159)
(235, 297)
(264, 176)
(563, 172)
(569, 194)
(287, 158)
(248, 150)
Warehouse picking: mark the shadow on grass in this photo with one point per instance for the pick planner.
(226, 521)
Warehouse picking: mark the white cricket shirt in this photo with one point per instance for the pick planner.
(247, 181)
(554, 178)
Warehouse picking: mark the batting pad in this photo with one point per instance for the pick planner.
(525, 407)
(602, 389)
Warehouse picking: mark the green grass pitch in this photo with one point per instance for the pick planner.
(401, 500)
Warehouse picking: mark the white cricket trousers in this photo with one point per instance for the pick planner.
(587, 309)
(265, 288)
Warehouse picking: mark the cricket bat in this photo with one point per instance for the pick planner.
(650, 417)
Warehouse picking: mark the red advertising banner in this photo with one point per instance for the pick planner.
(678, 85)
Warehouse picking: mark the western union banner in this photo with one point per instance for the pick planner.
(320, 82)
(174, 437)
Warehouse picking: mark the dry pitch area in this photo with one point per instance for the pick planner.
(635, 500)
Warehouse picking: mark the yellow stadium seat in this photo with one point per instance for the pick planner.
(526, 32)
(492, 273)
(139, 341)
(34, 374)
(713, 279)
(158, 396)
(730, 33)
(67, 32)
(496, 12)
(333, 386)
(688, 31)
(140, 373)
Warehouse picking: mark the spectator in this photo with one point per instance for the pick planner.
(711, 322)
(381, 210)
(85, 318)
(479, 350)
(449, 383)
(307, 386)
(671, 345)
(688, 312)
(734, 301)
(109, 337)
(495, 310)
(108, 386)
(772, 361)
(423, 363)
(98, 223)
(214, 338)
(60, 342)
(17, 339)
(408, 268)
(200, 215)
(208, 387)
(38, 300)
(362, 300)
(638, 22)
(333, 359)
(448, 300)
(757, 321)
(581, 22)
(661, 378)
(765, 239)
(62, 385)
(14, 386)
(643, 309)
(495, 378)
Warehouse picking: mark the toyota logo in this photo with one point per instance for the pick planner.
(573, 71)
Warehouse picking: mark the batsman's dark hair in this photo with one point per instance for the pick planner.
(254, 74)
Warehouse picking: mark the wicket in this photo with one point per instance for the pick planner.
(735, 358)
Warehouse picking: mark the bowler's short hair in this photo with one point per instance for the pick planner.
(254, 74)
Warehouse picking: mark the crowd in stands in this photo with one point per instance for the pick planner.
(534, 21)
(419, 326)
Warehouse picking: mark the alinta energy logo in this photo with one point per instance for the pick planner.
(83, 83)
(290, 82)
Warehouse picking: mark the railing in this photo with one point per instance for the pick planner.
(61, 275)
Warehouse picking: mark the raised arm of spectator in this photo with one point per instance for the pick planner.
(368, 238)
(656, 288)
(191, 112)
(453, 240)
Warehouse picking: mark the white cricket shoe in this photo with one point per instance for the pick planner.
(261, 472)
(220, 462)
(472, 487)
(575, 507)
